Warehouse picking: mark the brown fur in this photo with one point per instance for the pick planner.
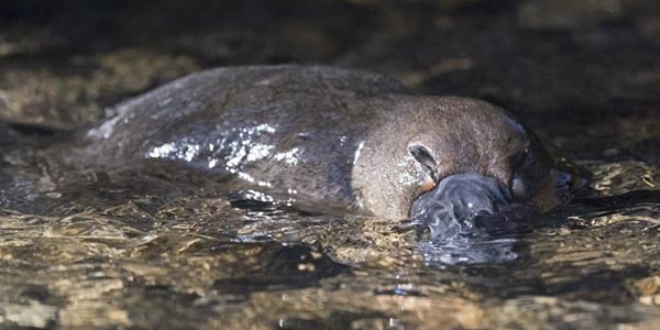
(323, 137)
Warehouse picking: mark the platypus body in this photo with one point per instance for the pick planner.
(324, 137)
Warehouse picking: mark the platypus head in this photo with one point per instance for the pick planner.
(456, 158)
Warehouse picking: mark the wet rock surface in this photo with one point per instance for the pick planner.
(584, 74)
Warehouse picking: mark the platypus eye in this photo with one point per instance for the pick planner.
(423, 156)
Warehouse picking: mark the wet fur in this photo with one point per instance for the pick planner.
(348, 133)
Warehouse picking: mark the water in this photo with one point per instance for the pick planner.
(106, 252)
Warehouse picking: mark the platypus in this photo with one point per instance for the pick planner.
(329, 138)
